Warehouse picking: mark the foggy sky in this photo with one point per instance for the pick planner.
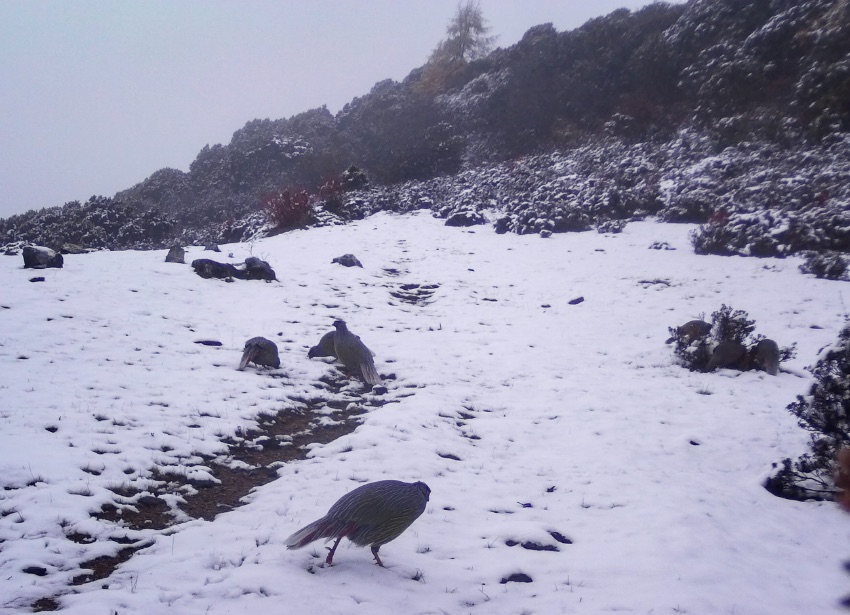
(95, 95)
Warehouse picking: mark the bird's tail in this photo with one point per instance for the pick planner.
(771, 364)
(370, 374)
(309, 533)
(247, 356)
(321, 528)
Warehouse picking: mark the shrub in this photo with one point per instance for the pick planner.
(731, 325)
(286, 208)
(331, 193)
(692, 353)
(829, 265)
(726, 325)
(825, 412)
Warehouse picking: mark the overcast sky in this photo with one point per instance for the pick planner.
(95, 95)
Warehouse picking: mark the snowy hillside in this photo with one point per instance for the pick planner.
(561, 441)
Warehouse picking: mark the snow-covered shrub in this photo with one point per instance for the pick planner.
(731, 325)
(727, 324)
(829, 265)
(825, 412)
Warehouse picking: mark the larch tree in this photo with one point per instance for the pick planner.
(467, 39)
(467, 36)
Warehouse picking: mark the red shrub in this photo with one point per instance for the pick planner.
(286, 207)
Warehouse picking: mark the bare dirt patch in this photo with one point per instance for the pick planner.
(251, 461)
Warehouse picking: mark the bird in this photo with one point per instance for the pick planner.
(370, 515)
(354, 354)
(690, 331)
(728, 354)
(765, 355)
(325, 347)
(260, 351)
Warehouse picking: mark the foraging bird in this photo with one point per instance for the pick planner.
(260, 351)
(354, 354)
(766, 356)
(325, 347)
(373, 514)
(691, 330)
(728, 354)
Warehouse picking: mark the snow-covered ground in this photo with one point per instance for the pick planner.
(526, 416)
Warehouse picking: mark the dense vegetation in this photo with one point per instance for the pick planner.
(825, 414)
(727, 113)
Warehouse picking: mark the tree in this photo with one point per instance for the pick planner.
(467, 38)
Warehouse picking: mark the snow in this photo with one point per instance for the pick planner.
(528, 417)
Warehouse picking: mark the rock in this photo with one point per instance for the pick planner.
(575, 301)
(176, 255)
(207, 269)
(211, 247)
(465, 218)
(72, 248)
(37, 257)
(256, 269)
(253, 269)
(348, 260)
(38, 279)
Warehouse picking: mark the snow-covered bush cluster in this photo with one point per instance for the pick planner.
(727, 324)
(728, 114)
(829, 265)
(754, 199)
(825, 412)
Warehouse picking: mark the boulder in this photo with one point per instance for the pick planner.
(176, 255)
(256, 269)
(72, 248)
(207, 268)
(465, 218)
(37, 257)
(252, 269)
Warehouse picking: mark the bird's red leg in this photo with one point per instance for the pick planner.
(329, 560)
(377, 557)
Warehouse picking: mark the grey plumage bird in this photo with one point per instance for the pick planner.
(371, 515)
(354, 354)
(325, 347)
(766, 356)
(260, 351)
(728, 354)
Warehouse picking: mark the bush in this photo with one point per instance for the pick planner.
(731, 325)
(829, 265)
(726, 325)
(287, 208)
(825, 412)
